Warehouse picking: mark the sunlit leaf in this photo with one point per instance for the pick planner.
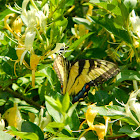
(56, 125)
(76, 43)
(25, 135)
(109, 25)
(6, 136)
(54, 103)
(53, 112)
(65, 102)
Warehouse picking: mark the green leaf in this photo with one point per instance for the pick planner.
(12, 53)
(49, 73)
(124, 12)
(23, 80)
(69, 2)
(119, 94)
(110, 111)
(54, 103)
(65, 102)
(2, 102)
(5, 136)
(53, 112)
(112, 7)
(101, 97)
(11, 128)
(95, 1)
(114, 112)
(76, 43)
(64, 138)
(72, 108)
(127, 75)
(4, 13)
(73, 118)
(31, 127)
(129, 130)
(28, 109)
(109, 25)
(8, 67)
(56, 125)
(25, 135)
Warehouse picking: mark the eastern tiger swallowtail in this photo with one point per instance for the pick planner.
(77, 77)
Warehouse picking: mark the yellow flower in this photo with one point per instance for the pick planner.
(90, 116)
(13, 116)
(34, 60)
(17, 25)
(100, 129)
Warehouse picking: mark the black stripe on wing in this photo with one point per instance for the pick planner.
(96, 65)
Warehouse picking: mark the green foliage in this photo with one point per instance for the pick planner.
(29, 87)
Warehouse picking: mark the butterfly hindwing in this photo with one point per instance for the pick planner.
(77, 77)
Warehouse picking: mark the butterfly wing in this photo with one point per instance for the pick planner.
(61, 68)
(89, 72)
(77, 77)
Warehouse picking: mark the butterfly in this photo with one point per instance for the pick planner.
(77, 77)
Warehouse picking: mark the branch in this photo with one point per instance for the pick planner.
(22, 97)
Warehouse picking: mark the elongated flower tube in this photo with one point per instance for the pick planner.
(100, 129)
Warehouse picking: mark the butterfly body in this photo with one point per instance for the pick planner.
(77, 77)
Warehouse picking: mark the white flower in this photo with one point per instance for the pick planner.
(2, 125)
(135, 20)
(42, 20)
(29, 39)
(134, 106)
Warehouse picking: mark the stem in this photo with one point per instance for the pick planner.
(22, 97)
(135, 85)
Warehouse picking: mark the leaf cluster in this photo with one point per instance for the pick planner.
(83, 30)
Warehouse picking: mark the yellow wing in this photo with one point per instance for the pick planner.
(76, 77)
(61, 68)
(93, 72)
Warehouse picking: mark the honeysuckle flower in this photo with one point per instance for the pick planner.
(42, 20)
(45, 9)
(29, 39)
(35, 23)
(133, 105)
(29, 18)
(13, 116)
(13, 15)
(79, 30)
(17, 24)
(135, 20)
(90, 116)
(34, 60)
(100, 129)
(16, 10)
